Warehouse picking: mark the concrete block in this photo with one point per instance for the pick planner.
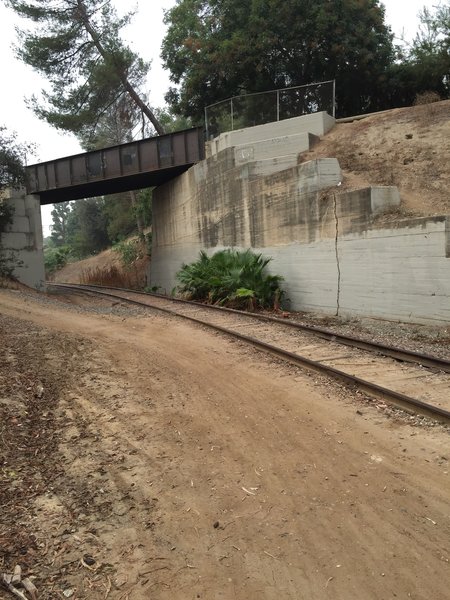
(319, 174)
(18, 204)
(20, 224)
(263, 168)
(15, 240)
(272, 148)
(12, 193)
(31, 272)
(316, 124)
(383, 197)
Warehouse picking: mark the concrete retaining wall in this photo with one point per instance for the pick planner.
(339, 252)
(283, 133)
(23, 238)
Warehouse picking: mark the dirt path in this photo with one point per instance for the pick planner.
(187, 466)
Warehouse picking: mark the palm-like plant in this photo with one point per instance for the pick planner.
(232, 277)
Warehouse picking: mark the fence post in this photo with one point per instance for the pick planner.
(206, 124)
(232, 114)
(334, 98)
(278, 105)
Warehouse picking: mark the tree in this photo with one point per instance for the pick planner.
(60, 215)
(120, 216)
(87, 227)
(171, 121)
(215, 49)
(12, 159)
(424, 65)
(433, 36)
(76, 45)
(430, 52)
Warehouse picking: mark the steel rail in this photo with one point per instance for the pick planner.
(401, 354)
(407, 403)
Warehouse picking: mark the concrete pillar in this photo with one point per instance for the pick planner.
(23, 238)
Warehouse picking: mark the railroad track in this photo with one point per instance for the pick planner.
(415, 382)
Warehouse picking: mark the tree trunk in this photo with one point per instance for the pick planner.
(122, 76)
(134, 204)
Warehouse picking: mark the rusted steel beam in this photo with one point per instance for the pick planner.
(143, 163)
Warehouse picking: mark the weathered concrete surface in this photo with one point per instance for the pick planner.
(285, 132)
(334, 249)
(272, 147)
(23, 238)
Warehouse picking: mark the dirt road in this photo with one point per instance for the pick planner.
(143, 458)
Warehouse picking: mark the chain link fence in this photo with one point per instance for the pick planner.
(265, 107)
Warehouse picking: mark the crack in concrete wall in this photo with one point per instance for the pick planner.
(336, 250)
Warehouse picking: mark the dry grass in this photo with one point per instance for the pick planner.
(112, 276)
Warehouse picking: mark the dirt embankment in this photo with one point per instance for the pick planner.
(143, 458)
(105, 268)
(406, 147)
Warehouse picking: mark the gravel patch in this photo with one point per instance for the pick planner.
(83, 304)
(426, 339)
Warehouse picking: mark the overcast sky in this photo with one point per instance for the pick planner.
(145, 35)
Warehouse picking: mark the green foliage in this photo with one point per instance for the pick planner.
(433, 37)
(215, 49)
(56, 258)
(423, 67)
(91, 225)
(60, 215)
(171, 121)
(129, 252)
(154, 289)
(12, 159)
(87, 227)
(76, 46)
(120, 217)
(6, 215)
(12, 174)
(148, 237)
(232, 277)
(143, 206)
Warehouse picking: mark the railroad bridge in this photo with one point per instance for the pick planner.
(135, 165)
(139, 164)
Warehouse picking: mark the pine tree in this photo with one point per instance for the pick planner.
(76, 46)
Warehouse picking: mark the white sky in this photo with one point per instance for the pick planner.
(145, 35)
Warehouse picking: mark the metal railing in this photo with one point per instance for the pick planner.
(249, 110)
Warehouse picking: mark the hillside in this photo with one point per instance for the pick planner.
(105, 267)
(406, 147)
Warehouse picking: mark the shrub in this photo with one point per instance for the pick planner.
(428, 97)
(110, 276)
(233, 278)
(129, 252)
(56, 258)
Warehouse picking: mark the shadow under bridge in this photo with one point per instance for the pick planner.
(145, 163)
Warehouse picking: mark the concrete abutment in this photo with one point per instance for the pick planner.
(22, 240)
(339, 252)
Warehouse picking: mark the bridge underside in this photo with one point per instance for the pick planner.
(144, 163)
